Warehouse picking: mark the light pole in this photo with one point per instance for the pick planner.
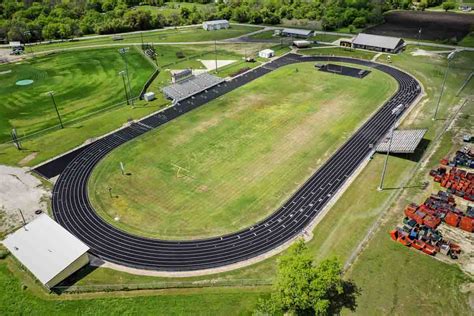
(215, 52)
(380, 188)
(122, 73)
(122, 52)
(51, 94)
(450, 56)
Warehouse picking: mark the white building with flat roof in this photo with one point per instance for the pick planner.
(47, 250)
(266, 53)
(215, 25)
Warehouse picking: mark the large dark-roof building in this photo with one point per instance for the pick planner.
(378, 43)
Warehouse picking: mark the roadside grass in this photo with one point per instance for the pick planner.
(468, 40)
(338, 51)
(233, 161)
(187, 34)
(327, 37)
(26, 296)
(83, 82)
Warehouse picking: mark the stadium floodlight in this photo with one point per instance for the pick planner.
(449, 58)
(51, 94)
(382, 178)
(123, 51)
(122, 73)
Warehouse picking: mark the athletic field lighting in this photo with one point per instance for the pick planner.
(123, 52)
(380, 188)
(122, 73)
(23, 218)
(450, 56)
(51, 94)
(122, 168)
(110, 191)
(15, 139)
(215, 53)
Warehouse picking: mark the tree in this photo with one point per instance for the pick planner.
(302, 287)
(360, 22)
(448, 5)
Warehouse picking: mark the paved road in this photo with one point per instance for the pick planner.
(72, 208)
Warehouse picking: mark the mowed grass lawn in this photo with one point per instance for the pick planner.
(234, 161)
(186, 34)
(83, 82)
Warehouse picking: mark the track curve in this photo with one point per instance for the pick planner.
(73, 210)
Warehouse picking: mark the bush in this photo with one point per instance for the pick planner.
(448, 6)
(360, 22)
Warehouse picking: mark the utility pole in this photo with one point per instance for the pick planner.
(51, 93)
(15, 139)
(110, 191)
(122, 168)
(122, 52)
(215, 52)
(450, 56)
(23, 218)
(419, 36)
(380, 188)
(141, 35)
(122, 74)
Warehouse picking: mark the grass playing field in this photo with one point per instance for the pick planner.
(83, 82)
(227, 165)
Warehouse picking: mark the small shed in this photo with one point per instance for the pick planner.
(301, 44)
(266, 53)
(47, 250)
(149, 96)
(215, 25)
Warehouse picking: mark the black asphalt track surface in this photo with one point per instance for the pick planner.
(73, 210)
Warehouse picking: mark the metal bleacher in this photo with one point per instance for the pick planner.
(190, 86)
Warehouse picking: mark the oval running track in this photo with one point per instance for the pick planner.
(73, 210)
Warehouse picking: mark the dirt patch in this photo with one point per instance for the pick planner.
(19, 190)
(27, 159)
(211, 64)
(435, 26)
(466, 241)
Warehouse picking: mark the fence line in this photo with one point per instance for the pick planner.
(161, 285)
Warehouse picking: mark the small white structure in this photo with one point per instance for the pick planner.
(149, 96)
(301, 44)
(15, 44)
(215, 25)
(266, 53)
(48, 250)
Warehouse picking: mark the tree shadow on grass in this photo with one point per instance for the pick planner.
(346, 300)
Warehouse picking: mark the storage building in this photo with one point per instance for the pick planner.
(47, 250)
(266, 53)
(215, 25)
(297, 33)
(378, 43)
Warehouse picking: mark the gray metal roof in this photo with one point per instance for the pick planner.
(376, 40)
(216, 22)
(297, 31)
(404, 141)
(45, 247)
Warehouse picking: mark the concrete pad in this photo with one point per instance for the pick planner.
(211, 64)
(20, 190)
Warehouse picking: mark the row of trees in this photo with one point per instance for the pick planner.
(34, 20)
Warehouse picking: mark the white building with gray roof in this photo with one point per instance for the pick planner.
(215, 25)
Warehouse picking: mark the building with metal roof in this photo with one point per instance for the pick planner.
(403, 142)
(215, 25)
(378, 43)
(47, 250)
(296, 33)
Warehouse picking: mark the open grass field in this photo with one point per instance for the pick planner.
(234, 161)
(185, 34)
(174, 7)
(83, 82)
(27, 297)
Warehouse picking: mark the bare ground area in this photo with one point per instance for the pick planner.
(19, 190)
(435, 26)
